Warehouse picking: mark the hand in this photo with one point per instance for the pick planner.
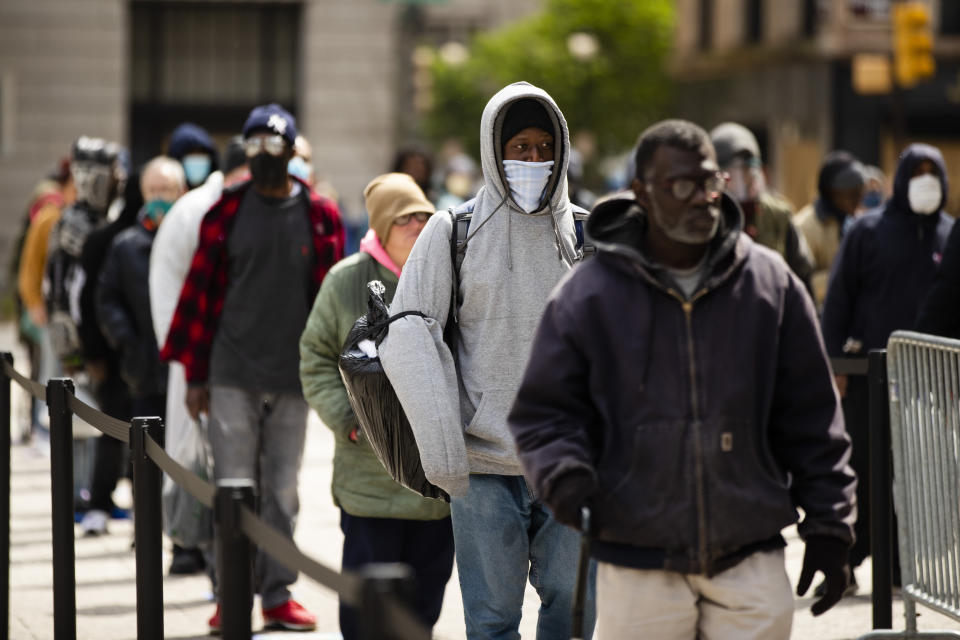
(571, 491)
(198, 400)
(830, 556)
(841, 385)
(97, 370)
(38, 315)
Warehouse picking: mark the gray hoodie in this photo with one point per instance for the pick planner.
(513, 261)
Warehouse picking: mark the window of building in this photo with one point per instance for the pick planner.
(809, 18)
(754, 21)
(208, 63)
(705, 34)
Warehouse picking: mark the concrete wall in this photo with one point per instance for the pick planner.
(63, 73)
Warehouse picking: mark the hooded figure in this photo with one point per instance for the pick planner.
(823, 222)
(193, 147)
(884, 269)
(516, 252)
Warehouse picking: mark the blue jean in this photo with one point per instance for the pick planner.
(500, 529)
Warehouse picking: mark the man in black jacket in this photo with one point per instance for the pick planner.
(123, 295)
(679, 387)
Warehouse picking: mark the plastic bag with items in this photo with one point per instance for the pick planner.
(374, 401)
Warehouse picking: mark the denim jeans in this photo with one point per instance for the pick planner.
(500, 529)
(260, 436)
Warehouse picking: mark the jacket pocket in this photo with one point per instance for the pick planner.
(748, 495)
(489, 421)
(646, 494)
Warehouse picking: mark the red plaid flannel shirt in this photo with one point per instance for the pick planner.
(190, 338)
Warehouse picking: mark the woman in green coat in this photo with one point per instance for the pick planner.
(381, 520)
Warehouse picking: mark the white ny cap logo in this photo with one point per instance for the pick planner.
(277, 123)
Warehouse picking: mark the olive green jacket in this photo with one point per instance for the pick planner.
(361, 486)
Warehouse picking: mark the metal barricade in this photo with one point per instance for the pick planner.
(924, 392)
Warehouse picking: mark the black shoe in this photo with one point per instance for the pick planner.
(851, 589)
(186, 562)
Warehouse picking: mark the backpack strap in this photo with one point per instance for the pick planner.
(585, 248)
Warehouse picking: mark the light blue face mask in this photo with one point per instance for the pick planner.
(196, 167)
(300, 168)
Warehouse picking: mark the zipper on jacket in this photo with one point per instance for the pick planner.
(687, 306)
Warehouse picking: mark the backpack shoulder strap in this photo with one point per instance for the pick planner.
(584, 246)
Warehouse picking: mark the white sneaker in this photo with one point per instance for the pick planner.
(94, 522)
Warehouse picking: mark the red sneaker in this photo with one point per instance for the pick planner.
(290, 616)
(213, 624)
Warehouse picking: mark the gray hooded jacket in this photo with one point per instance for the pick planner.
(513, 261)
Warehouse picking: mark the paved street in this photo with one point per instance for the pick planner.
(105, 566)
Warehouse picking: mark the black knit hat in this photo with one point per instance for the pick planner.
(524, 113)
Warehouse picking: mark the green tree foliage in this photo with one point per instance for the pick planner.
(614, 93)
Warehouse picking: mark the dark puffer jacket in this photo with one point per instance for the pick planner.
(886, 264)
(706, 421)
(123, 310)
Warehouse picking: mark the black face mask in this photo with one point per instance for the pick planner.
(268, 172)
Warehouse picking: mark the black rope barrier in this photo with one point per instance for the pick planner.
(108, 425)
(32, 387)
(353, 590)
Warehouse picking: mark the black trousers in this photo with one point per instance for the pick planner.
(425, 545)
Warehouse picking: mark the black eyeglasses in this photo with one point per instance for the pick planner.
(404, 220)
(684, 187)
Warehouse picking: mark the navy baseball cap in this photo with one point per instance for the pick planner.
(271, 117)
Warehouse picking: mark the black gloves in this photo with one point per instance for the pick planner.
(571, 491)
(829, 555)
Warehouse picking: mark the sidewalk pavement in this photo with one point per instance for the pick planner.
(105, 569)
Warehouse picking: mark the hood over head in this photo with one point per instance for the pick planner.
(492, 140)
(909, 159)
(839, 170)
(188, 137)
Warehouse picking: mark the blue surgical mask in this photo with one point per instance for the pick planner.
(872, 199)
(300, 168)
(197, 167)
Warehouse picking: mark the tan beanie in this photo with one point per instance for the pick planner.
(390, 196)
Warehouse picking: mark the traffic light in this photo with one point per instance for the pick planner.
(912, 42)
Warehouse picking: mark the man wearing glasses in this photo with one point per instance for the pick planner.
(263, 251)
(679, 388)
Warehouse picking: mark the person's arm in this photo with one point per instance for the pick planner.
(807, 432)
(940, 312)
(419, 364)
(552, 415)
(319, 354)
(33, 261)
(798, 256)
(809, 440)
(111, 309)
(841, 301)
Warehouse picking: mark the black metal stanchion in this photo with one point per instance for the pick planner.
(381, 580)
(234, 557)
(881, 512)
(147, 528)
(5, 426)
(61, 496)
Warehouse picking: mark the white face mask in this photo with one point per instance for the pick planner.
(527, 181)
(924, 194)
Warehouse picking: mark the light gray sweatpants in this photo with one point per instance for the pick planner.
(260, 436)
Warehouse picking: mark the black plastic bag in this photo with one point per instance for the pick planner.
(374, 401)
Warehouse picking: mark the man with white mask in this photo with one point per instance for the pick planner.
(884, 269)
(521, 241)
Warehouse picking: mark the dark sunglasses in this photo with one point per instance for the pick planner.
(404, 220)
(684, 187)
(274, 145)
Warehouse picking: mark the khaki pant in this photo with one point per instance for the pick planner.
(751, 600)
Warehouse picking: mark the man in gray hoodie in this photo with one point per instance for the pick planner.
(521, 241)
